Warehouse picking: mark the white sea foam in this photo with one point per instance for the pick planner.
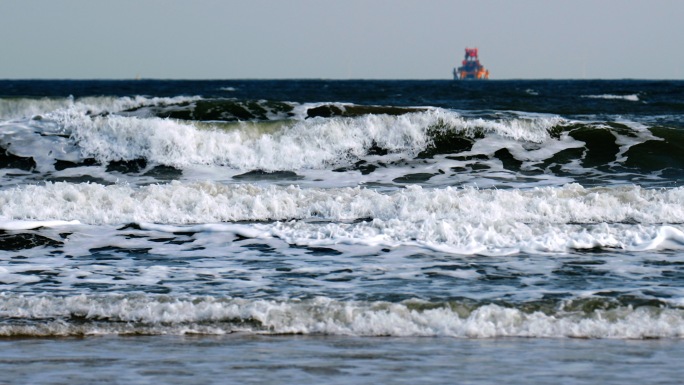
(306, 144)
(455, 237)
(639, 134)
(303, 144)
(54, 107)
(45, 137)
(27, 225)
(116, 314)
(26, 108)
(631, 98)
(463, 221)
(179, 203)
(467, 239)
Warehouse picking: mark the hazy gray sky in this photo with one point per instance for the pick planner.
(371, 39)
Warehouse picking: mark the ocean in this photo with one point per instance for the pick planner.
(343, 232)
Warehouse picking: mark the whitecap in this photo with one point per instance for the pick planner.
(631, 98)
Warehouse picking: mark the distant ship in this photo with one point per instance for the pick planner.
(471, 67)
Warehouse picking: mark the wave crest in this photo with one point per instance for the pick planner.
(290, 145)
(18, 108)
(85, 315)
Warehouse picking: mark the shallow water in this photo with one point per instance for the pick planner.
(337, 360)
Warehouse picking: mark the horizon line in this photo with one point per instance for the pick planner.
(331, 79)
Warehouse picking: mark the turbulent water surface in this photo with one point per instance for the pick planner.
(322, 215)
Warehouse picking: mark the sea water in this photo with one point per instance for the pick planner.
(341, 231)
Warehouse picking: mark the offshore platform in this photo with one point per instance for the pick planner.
(471, 67)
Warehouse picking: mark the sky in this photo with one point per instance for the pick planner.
(346, 39)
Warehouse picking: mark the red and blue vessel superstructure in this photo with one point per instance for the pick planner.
(471, 67)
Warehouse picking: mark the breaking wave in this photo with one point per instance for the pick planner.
(18, 108)
(185, 132)
(303, 144)
(45, 315)
(178, 203)
(461, 221)
(315, 143)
